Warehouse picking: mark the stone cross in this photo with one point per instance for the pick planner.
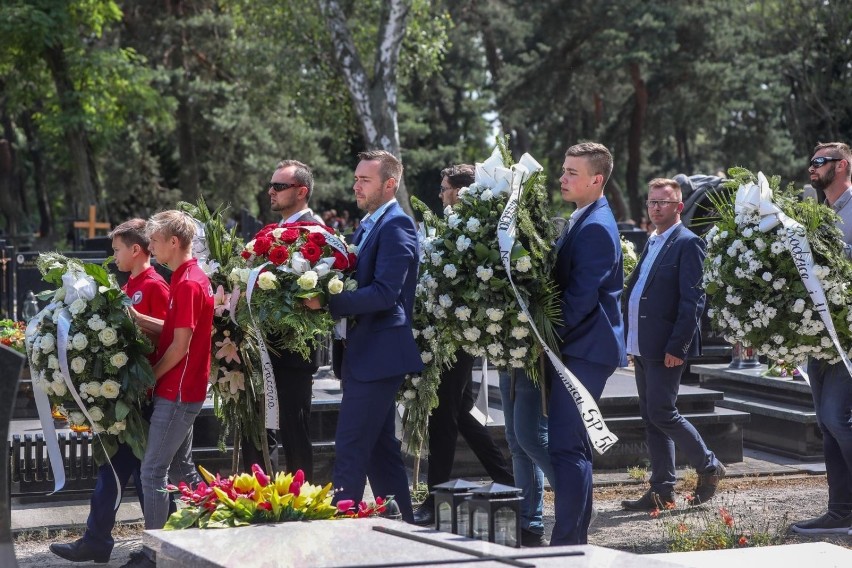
(91, 224)
(11, 362)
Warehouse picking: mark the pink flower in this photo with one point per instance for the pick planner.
(345, 504)
(261, 477)
(221, 301)
(228, 351)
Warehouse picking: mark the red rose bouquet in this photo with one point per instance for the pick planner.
(285, 264)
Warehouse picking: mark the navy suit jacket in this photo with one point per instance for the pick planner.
(379, 341)
(589, 273)
(672, 302)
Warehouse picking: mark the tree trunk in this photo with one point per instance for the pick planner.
(85, 182)
(634, 139)
(374, 99)
(34, 152)
(9, 178)
(612, 191)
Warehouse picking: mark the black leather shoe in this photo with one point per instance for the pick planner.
(424, 515)
(530, 539)
(79, 551)
(707, 484)
(650, 500)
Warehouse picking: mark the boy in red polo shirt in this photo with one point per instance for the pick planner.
(150, 296)
(181, 369)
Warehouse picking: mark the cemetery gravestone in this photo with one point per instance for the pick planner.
(12, 363)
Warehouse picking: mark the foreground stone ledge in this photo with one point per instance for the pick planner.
(362, 542)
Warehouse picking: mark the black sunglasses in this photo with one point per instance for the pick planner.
(279, 187)
(821, 161)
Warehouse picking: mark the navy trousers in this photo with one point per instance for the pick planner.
(366, 445)
(101, 519)
(571, 453)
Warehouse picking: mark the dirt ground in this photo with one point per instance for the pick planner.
(757, 504)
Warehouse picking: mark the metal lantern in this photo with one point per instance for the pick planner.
(743, 357)
(495, 514)
(448, 498)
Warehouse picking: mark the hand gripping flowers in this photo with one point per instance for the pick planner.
(756, 271)
(291, 262)
(88, 356)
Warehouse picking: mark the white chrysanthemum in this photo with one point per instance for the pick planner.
(471, 333)
(450, 270)
(78, 364)
(308, 280)
(484, 274)
(79, 341)
(110, 389)
(462, 243)
(268, 281)
(463, 313)
(776, 248)
(95, 323)
(108, 336)
(494, 314)
(523, 264)
(118, 360)
(520, 332)
(335, 286)
(473, 225)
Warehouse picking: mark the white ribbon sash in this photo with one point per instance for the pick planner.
(751, 198)
(269, 389)
(599, 434)
(63, 326)
(480, 408)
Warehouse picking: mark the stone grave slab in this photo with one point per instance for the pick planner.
(362, 542)
(783, 420)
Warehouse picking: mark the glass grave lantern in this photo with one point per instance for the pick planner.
(448, 499)
(495, 514)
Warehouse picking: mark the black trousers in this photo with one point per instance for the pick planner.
(451, 418)
(295, 389)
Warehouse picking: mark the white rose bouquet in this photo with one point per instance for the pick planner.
(464, 298)
(754, 287)
(88, 356)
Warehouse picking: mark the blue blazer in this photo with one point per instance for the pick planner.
(672, 302)
(590, 276)
(379, 341)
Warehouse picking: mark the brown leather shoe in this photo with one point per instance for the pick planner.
(651, 500)
(707, 484)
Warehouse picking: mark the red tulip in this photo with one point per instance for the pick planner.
(262, 478)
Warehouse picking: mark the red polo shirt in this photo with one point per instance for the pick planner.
(190, 305)
(149, 293)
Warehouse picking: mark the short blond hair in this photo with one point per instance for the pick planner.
(172, 223)
(666, 182)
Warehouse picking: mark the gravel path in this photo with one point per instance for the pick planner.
(765, 505)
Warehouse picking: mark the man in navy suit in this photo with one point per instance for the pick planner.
(590, 277)
(662, 318)
(378, 347)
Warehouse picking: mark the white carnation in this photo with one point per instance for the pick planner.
(473, 225)
(95, 323)
(471, 333)
(445, 301)
(523, 264)
(484, 274)
(520, 332)
(426, 357)
(494, 314)
(463, 313)
(450, 271)
(493, 328)
(462, 243)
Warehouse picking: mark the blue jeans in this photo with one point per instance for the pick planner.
(665, 428)
(831, 387)
(169, 451)
(526, 434)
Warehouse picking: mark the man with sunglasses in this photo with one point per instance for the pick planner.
(662, 316)
(831, 385)
(289, 190)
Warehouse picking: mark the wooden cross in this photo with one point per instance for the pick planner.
(91, 224)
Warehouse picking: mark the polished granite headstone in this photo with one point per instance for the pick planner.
(783, 420)
(11, 363)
